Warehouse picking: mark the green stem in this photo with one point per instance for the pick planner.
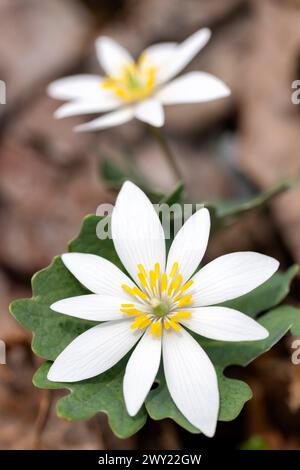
(162, 142)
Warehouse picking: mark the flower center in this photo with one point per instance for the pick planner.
(159, 308)
(161, 302)
(135, 82)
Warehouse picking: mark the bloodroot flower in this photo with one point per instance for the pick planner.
(155, 309)
(137, 89)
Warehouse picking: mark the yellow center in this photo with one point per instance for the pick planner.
(162, 299)
(135, 82)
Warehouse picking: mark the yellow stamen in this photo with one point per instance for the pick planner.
(186, 285)
(135, 82)
(175, 284)
(174, 325)
(134, 291)
(127, 289)
(131, 311)
(179, 315)
(142, 59)
(142, 280)
(142, 270)
(141, 322)
(150, 80)
(152, 279)
(174, 269)
(184, 288)
(187, 300)
(164, 282)
(157, 270)
(140, 293)
(156, 328)
(159, 291)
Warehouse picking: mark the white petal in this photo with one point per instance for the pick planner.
(190, 244)
(77, 86)
(95, 351)
(97, 274)
(92, 307)
(224, 324)
(108, 120)
(184, 53)
(150, 111)
(141, 371)
(75, 108)
(191, 380)
(231, 276)
(112, 56)
(136, 231)
(158, 55)
(193, 87)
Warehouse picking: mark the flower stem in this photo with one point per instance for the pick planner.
(42, 417)
(166, 150)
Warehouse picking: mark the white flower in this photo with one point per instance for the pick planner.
(155, 308)
(137, 89)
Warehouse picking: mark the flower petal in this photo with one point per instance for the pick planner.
(141, 371)
(89, 106)
(108, 120)
(193, 87)
(184, 53)
(112, 56)
(136, 231)
(159, 54)
(231, 276)
(95, 351)
(92, 307)
(190, 244)
(77, 86)
(97, 274)
(151, 112)
(191, 380)
(224, 324)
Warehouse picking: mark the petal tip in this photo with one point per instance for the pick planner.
(128, 187)
(66, 257)
(81, 128)
(50, 90)
(226, 90)
(52, 374)
(204, 35)
(59, 113)
(209, 430)
(207, 31)
(53, 306)
(263, 333)
(131, 407)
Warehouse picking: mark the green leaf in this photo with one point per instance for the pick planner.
(102, 393)
(233, 393)
(52, 332)
(224, 212)
(255, 442)
(176, 197)
(115, 176)
(112, 174)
